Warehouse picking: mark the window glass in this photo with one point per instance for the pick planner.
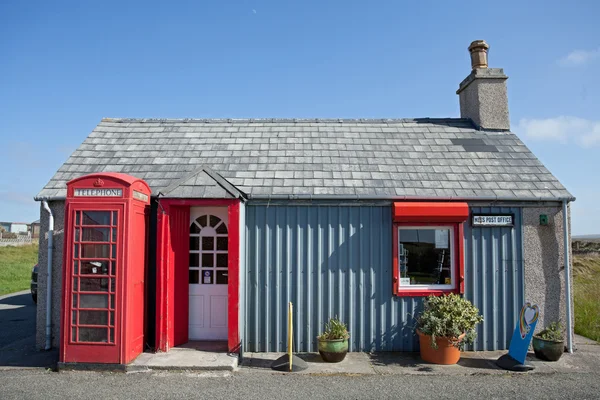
(96, 218)
(94, 234)
(94, 267)
(93, 335)
(95, 250)
(93, 318)
(424, 256)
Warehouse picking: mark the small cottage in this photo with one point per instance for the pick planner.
(167, 231)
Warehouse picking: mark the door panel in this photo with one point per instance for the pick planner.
(208, 275)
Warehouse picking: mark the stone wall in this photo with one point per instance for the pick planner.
(58, 209)
(543, 253)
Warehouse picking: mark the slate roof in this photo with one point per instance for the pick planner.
(288, 158)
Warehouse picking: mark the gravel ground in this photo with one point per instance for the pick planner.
(40, 384)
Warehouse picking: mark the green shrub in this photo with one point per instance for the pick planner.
(449, 316)
(553, 332)
(334, 330)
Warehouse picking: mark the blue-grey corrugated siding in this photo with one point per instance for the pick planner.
(494, 277)
(337, 260)
(329, 261)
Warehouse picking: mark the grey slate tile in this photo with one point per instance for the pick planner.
(273, 156)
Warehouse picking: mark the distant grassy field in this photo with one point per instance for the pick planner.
(586, 287)
(15, 267)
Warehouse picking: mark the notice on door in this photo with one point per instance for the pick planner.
(493, 220)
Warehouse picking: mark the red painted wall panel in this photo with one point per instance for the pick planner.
(179, 238)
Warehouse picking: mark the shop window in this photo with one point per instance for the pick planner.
(425, 257)
(428, 247)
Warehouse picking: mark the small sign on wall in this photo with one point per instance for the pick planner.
(485, 220)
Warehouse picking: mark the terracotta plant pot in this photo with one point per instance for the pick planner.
(333, 350)
(445, 354)
(548, 350)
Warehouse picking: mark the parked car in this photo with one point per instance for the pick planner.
(34, 278)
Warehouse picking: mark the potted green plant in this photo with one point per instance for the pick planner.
(446, 324)
(549, 344)
(333, 342)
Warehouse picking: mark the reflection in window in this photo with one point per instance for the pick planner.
(425, 256)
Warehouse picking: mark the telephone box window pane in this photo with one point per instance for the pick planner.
(76, 251)
(94, 268)
(208, 243)
(202, 221)
(95, 251)
(112, 335)
(114, 234)
(208, 260)
(222, 229)
(194, 228)
(194, 243)
(194, 276)
(94, 284)
(77, 218)
(74, 300)
(95, 234)
(194, 260)
(74, 317)
(96, 335)
(114, 251)
(214, 221)
(93, 317)
(222, 277)
(93, 301)
(77, 234)
(112, 318)
(222, 243)
(424, 256)
(222, 260)
(114, 218)
(112, 285)
(75, 267)
(207, 277)
(96, 217)
(75, 287)
(73, 334)
(112, 301)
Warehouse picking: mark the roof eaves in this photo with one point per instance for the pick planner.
(408, 198)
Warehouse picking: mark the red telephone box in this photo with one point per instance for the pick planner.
(104, 269)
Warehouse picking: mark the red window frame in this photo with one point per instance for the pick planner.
(424, 214)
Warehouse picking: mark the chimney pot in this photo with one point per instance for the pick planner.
(478, 50)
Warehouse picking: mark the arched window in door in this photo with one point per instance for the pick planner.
(208, 251)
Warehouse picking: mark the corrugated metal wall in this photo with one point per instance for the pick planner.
(494, 279)
(337, 260)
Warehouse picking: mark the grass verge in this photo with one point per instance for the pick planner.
(15, 267)
(586, 296)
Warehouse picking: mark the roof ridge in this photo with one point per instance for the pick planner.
(288, 120)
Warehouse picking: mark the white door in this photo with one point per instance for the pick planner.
(208, 274)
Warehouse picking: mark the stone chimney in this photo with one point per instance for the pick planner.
(482, 94)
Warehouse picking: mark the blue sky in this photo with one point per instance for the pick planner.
(66, 65)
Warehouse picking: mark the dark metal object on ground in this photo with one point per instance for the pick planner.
(283, 364)
(509, 363)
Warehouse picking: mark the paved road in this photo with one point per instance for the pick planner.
(17, 317)
(37, 384)
(17, 333)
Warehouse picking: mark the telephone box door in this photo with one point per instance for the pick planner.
(94, 284)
